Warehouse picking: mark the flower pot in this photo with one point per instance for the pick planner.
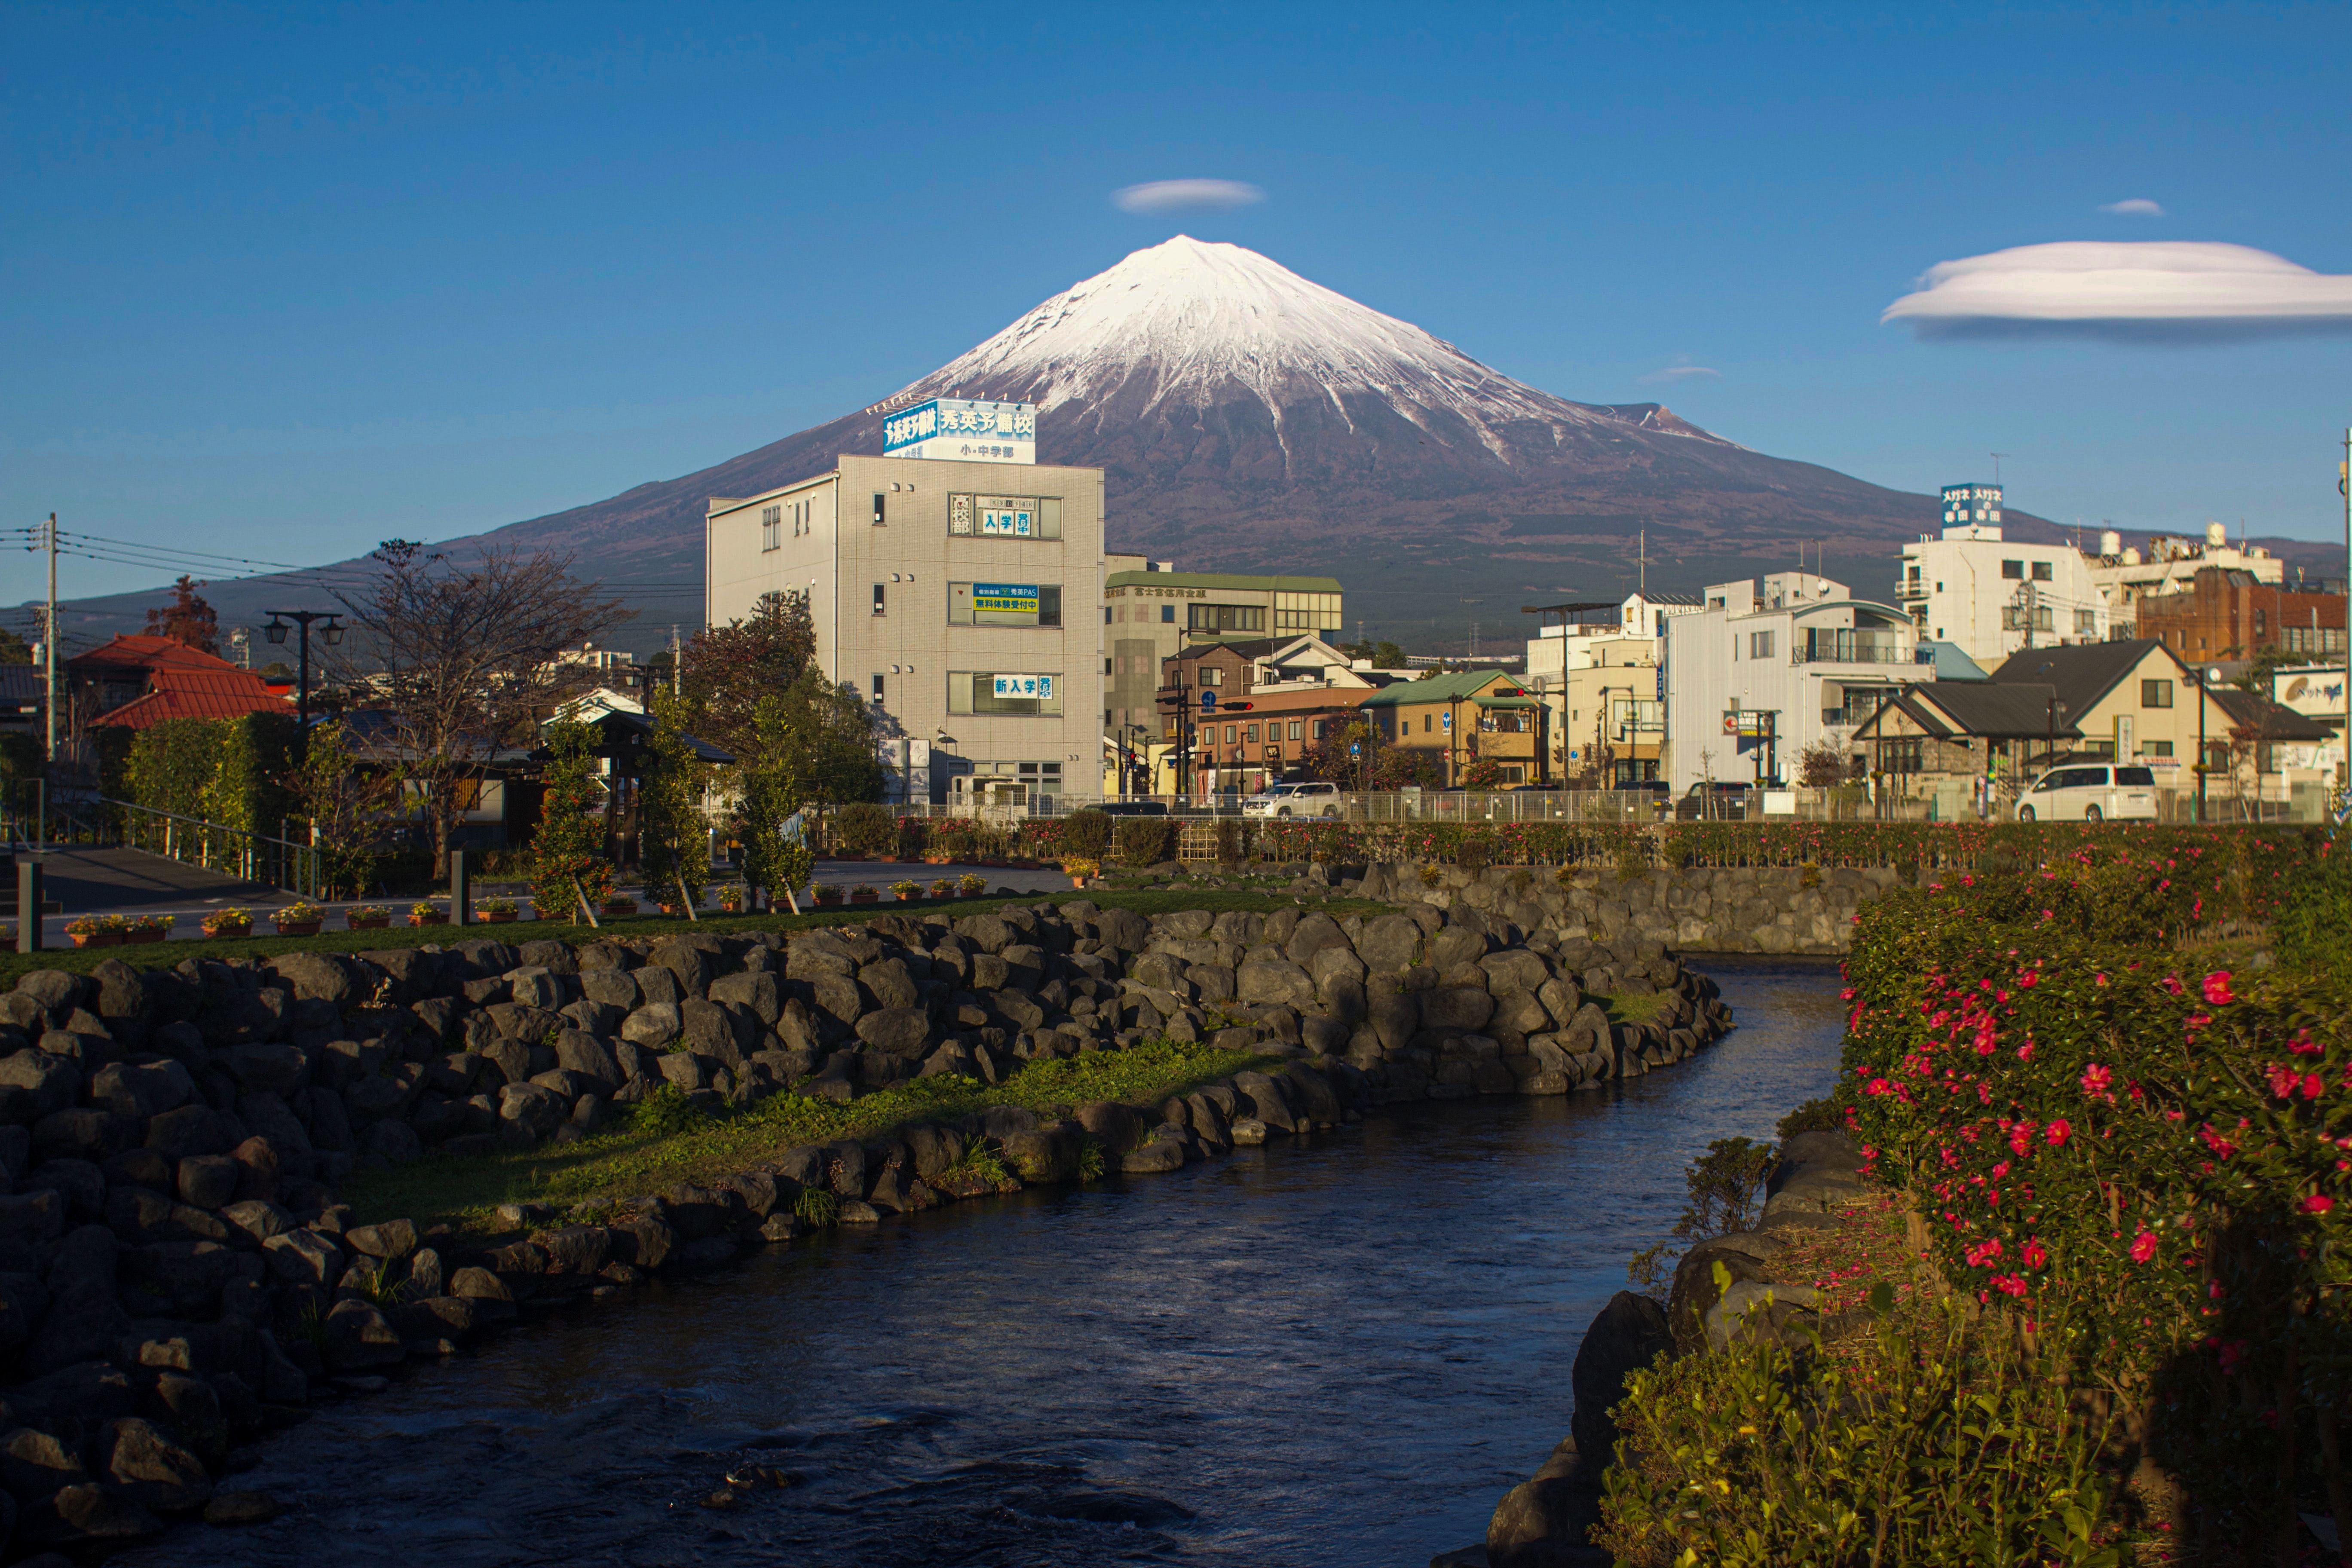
(230, 933)
(372, 923)
(1078, 881)
(500, 917)
(428, 919)
(865, 897)
(911, 897)
(97, 939)
(617, 908)
(138, 938)
(297, 927)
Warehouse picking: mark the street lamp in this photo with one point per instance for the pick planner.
(276, 632)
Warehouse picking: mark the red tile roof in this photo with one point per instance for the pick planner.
(224, 693)
(140, 650)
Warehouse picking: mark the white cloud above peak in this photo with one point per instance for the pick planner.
(1174, 195)
(2135, 289)
(1681, 372)
(2136, 206)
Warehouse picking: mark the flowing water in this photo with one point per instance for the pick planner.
(1336, 1351)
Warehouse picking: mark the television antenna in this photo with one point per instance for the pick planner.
(1997, 457)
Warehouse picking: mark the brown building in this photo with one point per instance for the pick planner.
(1247, 748)
(2225, 614)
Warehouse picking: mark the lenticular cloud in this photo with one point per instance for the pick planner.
(2147, 289)
(1172, 195)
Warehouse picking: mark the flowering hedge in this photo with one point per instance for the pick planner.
(2140, 1160)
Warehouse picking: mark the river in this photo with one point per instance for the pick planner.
(1338, 1351)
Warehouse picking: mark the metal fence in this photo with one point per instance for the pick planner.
(100, 822)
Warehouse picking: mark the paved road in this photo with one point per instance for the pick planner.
(132, 882)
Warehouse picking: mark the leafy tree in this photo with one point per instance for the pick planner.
(726, 671)
(1822, 766)
(568, 850)
(1724, 1185)
(832, 742)
(187, 619)
(13, 649)
(343, 803)
(771, 793)
(1484, 772)
(1384, 655)
(673, 836)
(1372, 764)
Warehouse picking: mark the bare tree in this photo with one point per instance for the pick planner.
(465, 660)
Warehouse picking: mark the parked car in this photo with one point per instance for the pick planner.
(1317, 797)
(2091, 794)
(1718, 801)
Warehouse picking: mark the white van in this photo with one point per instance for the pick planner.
(2091, 794)
(1311, 798)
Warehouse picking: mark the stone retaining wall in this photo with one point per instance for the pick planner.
(1696, 909)
(176, 1276)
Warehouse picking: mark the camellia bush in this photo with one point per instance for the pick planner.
(2141, 1160)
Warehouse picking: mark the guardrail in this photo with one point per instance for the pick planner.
(270, 858)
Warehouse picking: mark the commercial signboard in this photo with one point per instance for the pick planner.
(1027, 687)
(956, 429)
(1008, 517)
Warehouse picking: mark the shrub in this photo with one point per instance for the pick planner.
(816, 1207)
(1086, 834)
(1826, 1114)
(1928, 1442)
(969, 886)
(862, 828)
(665, 1112)
(1725, 1185)
(1145, 841)
(2314, 920)
(1229, 842)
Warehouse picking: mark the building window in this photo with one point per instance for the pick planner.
(993, 691)
(1105, 667)
(880, 607)
(1425, 723)
(1231, 732)
(878, 510)
(1249, 733)
(1005, 517)
(1004, 604)
(1168, 615)
(878, 691)
(1226, 618)
(2042, 571)
(1212, 676)
(2014, 569)
(1299, 730)
(1759, 645)
(2155, 748)
(2086, 623)
(1907, 755)
(2155, 694)
(1107, 613)
(771, 527)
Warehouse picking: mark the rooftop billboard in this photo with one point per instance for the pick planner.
(956, 430)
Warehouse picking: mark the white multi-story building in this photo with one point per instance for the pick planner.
(1988, 596)
(1763, 672)
(956, 596)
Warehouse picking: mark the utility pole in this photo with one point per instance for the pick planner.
(1642, 563)
(677, 680)
(49, 641)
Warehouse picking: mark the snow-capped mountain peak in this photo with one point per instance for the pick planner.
(1193, 323)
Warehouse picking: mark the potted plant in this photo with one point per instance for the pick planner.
(298, 919)
(732, 900)
(969, 886)
(828, 894)
(944, 888)
(367, 917)
(1081, 872)
(616, 907)
(499, 912)
(95, 930)
(225, 923)
(862, 894)
(144, 929)
(426, 912)
(909, 892)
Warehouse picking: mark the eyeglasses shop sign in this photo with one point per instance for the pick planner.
(1028, 687)
(956, 429)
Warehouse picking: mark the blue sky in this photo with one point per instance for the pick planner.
(283, 284)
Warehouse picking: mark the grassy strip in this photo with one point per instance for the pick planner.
(465, 1190)
(167, 954)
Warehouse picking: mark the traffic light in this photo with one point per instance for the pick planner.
(1236, 707)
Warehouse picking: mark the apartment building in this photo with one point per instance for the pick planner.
(2228, 614)
(947, 591)
(1150, 611)
(1991, 597)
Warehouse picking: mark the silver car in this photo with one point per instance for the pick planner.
(1316, 798)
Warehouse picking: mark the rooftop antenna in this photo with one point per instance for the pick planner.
(1997, 457)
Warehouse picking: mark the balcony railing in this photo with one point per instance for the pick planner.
(1844, 650)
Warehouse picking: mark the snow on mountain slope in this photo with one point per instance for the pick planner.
(1198, 324)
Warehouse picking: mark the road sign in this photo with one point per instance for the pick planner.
(1208, 701)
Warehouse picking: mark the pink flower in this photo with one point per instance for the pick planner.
(1878, 1086)
(2171, 983)
(2215, 1142)
(2317, 1202)
(2035, 1256)
(2058, 1132)
(2143, 1246)
(2020, 1138)
(2096, 1079)
(2217, 988)
(2312, 1088)
(2283, 1082)
(2009, 1284)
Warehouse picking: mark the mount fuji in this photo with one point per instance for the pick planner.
(1250, 420)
